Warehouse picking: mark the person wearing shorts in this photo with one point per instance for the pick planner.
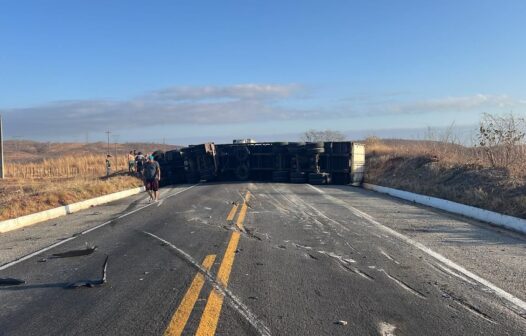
(152, 176)
(131, 162)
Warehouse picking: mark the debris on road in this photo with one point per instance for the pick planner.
(386, 329)
(75, 253)
(341, 322)
(312, 256)
(11, 282)
(92, 283)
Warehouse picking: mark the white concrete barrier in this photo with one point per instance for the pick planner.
(495, 218)
(20, 222)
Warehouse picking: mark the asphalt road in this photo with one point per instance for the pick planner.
(273, 259)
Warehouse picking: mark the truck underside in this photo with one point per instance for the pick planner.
(294, 162)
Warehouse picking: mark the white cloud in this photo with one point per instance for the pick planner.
(176, 105)
(228, 105)
(379, 106)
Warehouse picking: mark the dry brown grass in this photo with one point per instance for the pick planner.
(450, 171)
(36, 186)
(66, 166)
(446, 153)
(20, 197)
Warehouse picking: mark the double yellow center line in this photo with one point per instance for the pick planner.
(210, 316)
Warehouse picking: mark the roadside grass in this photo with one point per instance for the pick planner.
(22, 197)
(64, 166)
(450, 171)
(42, 176)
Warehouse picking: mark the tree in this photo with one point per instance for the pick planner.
(500, 138)
(327, 135)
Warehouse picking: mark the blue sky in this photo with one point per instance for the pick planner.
(192, 71)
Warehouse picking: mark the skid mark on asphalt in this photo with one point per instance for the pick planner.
(357, 271)
(468, 306)
(450, 272)
(340, 258)
(403, 285)
(343, 262)
(514, 303)
(389, 257)
(234, 301)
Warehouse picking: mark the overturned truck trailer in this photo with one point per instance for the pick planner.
(295, 162)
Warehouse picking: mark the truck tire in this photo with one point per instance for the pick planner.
(242, 172)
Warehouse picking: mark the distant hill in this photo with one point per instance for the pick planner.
(32, 151)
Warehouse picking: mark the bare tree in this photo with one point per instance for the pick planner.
(327, 135)
(501, 139)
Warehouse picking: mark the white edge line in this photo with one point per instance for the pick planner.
(498, 291)
(19, 260)
(9, 264)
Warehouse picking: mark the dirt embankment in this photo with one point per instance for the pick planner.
(464, 182)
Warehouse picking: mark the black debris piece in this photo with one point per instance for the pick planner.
(11, 282)
(91, 283)
(75, 253)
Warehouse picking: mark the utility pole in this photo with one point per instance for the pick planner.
(108, 132)
(2, 172)
(115, 140)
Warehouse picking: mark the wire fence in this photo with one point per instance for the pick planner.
(65, 167)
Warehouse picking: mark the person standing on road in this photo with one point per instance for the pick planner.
(139, 160)
(152, 176)
(131, 162)
(108, 165)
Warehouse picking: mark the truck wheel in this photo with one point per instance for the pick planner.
(242, 172)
